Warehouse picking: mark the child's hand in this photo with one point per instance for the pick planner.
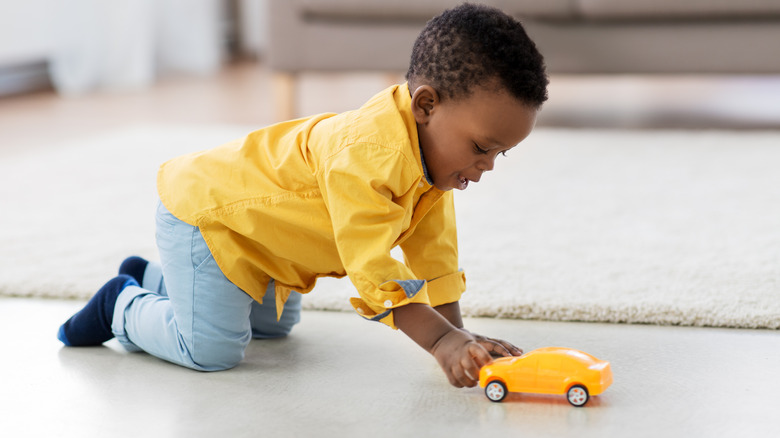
(497, 347)
(460, 356)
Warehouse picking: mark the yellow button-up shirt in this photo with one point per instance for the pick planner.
(328, 195)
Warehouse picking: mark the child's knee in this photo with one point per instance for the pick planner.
(264, 322)
(218, 356)
(216, 363)
(275, 329)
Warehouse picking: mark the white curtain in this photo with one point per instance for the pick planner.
(126, 44)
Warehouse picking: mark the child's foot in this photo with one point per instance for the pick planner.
(135, 267)
(92, 324)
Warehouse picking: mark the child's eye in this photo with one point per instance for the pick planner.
(503, 153)
(479, 150)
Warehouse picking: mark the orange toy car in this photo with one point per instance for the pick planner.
(551, 370)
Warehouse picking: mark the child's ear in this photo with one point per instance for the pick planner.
(425, 99)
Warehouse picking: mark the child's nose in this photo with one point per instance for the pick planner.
(487, 163)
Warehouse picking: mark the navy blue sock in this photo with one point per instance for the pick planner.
(135, 267)
(92, 324)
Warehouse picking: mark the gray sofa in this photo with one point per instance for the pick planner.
(575, 36)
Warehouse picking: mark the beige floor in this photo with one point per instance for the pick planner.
(338, 375)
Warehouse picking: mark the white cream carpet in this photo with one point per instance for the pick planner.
(667, 227)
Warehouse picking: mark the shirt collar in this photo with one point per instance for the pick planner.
(425, 168)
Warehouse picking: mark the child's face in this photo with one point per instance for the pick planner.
(461, 138)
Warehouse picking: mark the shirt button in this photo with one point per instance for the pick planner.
(420, 184)
(388, 303)
(360, 310)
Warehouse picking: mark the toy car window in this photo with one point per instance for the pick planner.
(579, 355)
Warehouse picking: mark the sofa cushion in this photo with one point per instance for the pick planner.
(548, 9)
(423, 10)
(677, 9)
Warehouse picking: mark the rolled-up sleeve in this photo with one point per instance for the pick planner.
(368, 190)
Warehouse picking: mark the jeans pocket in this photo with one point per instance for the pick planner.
(200, 252)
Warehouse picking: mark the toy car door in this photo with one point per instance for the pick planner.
(522, 376)
(550, 375)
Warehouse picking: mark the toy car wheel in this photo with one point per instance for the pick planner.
(577, 395)
(495, 391)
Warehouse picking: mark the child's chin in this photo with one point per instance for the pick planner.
(443, 187)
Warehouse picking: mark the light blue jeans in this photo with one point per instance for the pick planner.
(187, 312)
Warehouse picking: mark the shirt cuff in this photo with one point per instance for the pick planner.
(446, 289)
(396, 293)
(443, 290)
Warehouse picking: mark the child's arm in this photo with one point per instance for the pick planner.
(457, 351)
(496, 347)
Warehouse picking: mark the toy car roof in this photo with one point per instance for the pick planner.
(580, 356)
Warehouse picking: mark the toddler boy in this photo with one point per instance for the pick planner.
(245, 228)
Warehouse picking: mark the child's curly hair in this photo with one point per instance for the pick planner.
(472, 45)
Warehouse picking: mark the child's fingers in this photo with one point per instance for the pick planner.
(512, 349)
(480, 355)
(497, 347)
(468, 372)
(509, 348)
(456, 378)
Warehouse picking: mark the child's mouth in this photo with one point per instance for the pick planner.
(462, 183)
